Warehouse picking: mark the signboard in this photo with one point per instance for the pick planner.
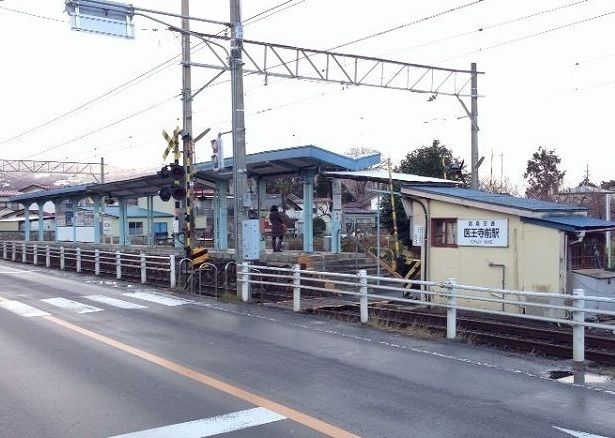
(482, 232)
(251, 239)
(102, 17)
(107, 229)
(418, 235)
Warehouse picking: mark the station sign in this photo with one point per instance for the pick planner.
(482, 232)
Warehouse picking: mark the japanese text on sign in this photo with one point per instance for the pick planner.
(482, 232)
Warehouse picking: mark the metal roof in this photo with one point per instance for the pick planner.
(131, 212)
(290, 161)
(261, 164)
(382, 176)
(529, 204)
(572, 223)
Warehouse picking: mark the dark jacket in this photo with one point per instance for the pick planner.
(278, 222)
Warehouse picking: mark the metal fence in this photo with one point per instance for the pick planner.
(145, 268)
(556, 308)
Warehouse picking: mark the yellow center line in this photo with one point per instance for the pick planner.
(299, 417)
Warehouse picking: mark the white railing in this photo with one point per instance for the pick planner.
(537, 306)
(144, 267)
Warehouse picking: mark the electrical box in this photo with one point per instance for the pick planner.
(251, 239)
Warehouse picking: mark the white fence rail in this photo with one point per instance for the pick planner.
(143, 267)
(557, 308)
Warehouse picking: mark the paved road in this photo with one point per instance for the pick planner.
(85, 359)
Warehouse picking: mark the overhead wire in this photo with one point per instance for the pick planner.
(42, 17)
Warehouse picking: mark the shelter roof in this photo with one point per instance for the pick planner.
(382, 176)
(572, 223)
(461, 195)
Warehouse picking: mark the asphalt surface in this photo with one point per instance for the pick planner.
(115, 371)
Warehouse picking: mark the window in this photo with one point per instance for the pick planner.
(135, 228)
(444, 233)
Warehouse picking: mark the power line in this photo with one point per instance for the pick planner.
(116, 90)
(533, 35)
(116, 122)
(278, 11)
(42, 17)
(412, 23)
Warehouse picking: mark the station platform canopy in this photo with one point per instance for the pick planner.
(275, 163)
(382, 176)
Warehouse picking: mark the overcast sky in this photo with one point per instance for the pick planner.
(542, 85)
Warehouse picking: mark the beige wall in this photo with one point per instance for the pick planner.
(532, 259)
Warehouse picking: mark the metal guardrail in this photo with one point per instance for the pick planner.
(557, 308)
(115, 263)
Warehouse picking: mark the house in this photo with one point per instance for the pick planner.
(495, 240)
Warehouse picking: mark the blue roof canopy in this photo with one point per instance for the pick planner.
(572, 223)
(131, 212)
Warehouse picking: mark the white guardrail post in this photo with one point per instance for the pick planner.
(47, 256)
(13, 252)
(451, 311)
(143, 268)
(78, 261)
(61, 257)
(244, 277)
(96, 261)
(363, 294)
(578, 330)
(4, 255)
(23, 252)
(296, 288)
(34, 254)
(118, 265)
(172, 278)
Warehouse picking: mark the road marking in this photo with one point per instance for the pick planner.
(299, 417)
(211, 426)
(71, 305)
(159, 299)
(22, 309)
(20, 272)
(579, 434)
(114, 302)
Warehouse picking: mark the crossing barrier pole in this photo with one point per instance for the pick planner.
(363, 294)
(47, 256)
(172, 277)
(143, 268)
(13, 252)
(61, 257)
(96, 261)
(23, 252)
(578, 329)
(296, 288)
(118, 265)
(34, 254)
(78, 257)
(451, 311)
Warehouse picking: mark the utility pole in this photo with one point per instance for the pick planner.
(186, 220)
(240, 177)
(474, 120)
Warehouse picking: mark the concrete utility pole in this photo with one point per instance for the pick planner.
(474, 121)
(186, 220)
(240, 177)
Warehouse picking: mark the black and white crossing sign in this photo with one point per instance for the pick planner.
(482, 232)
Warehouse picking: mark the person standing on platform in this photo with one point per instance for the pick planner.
(278, 228)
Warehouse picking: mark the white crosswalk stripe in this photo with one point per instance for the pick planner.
(159, 299)
(22, 309)
(114, 302)
(211, 426)
(71, 305)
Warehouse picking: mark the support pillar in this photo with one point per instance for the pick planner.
(308, 204)
(75, 204)
(56, 213)
(26, 216)
(122, 221)
(97, 220)
(150, 221)
(262, 198)
(41, 221)
(336, 216)
(221, 216)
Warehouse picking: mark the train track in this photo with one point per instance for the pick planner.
(507, 332)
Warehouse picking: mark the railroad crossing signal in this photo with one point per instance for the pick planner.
(172, 144)
(176, 190)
